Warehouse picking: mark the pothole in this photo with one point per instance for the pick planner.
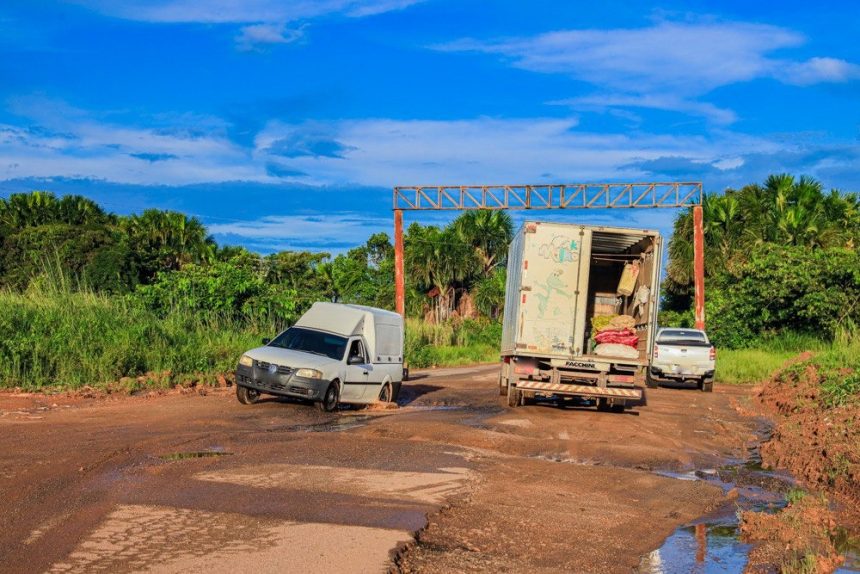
(193, 454)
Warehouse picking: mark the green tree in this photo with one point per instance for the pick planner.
(488, 232)
(784, 210)
(167, 240)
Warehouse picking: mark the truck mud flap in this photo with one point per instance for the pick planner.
(586, 390)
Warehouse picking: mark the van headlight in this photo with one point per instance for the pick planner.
(309, 373)
(246, 361)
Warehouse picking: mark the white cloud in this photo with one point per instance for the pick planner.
(332, 228)
(255, 35)
(485, 150)
(67, 142)
(668, 65)
(666, 102)
(239, 11)
(263, 21)
(818, 70)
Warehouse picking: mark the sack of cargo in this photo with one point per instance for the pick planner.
(628, 279)
(616, 350)
(622, 322)
(622, 337)
(601, 322)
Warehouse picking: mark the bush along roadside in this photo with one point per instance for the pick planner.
(815, 404)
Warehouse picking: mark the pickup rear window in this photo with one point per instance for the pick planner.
(683, 338)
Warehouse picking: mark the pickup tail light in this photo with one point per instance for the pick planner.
(656, 351)
(712, 355)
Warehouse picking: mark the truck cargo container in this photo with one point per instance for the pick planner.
(562, 279)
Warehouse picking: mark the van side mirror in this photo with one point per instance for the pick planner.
(355, 360)
(266, 340)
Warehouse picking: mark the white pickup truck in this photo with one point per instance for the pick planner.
(682, 355)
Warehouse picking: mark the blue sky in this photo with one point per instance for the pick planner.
(285, 124)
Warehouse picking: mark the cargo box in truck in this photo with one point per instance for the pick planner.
(580, 313)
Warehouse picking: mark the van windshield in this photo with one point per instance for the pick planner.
(310, 341)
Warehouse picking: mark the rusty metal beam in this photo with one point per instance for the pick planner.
(548, 196)
(699, 266)
(399, 277)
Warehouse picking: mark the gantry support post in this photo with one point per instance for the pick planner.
(699, 265)
(399, 278)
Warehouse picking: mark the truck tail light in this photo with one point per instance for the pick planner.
(656, 351)
(712, 355)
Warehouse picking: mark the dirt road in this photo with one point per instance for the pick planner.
(191, 483)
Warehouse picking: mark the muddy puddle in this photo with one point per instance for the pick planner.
(194, 454)
(712, 544)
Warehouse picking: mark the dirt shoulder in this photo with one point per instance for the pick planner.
(819, 444)
(536, 488)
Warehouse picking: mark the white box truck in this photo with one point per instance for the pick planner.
(564, 283)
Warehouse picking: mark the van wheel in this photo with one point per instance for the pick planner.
(330, 399)
(514, 396)
(247, 396)
(385, 394)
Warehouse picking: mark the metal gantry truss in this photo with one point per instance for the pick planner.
(548, 196)
(551, 196)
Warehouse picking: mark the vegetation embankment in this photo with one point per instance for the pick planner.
(815, 403)
(764, 357)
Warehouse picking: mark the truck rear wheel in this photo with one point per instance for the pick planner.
(707, 386)
(514, 396)
(503, 388)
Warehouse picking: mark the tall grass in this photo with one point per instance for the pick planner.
(452, 343)
(757, 363)
(53, 335)
(58, 334)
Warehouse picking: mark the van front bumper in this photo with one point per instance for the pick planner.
(281, 385)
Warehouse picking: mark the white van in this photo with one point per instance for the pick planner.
(334, 354)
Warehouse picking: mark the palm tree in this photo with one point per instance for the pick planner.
(168, 239)
(439, 262)
(36, 208)
(489, 232)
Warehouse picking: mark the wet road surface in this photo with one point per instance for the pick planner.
(193, 483)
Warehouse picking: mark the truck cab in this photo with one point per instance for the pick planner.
(334, 354)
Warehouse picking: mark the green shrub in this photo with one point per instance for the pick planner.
(72, 339)
(785, 289)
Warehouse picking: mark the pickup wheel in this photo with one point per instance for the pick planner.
(651, 383)
(330, 398)
(247, 396)
(707, 386)
(514, 396)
